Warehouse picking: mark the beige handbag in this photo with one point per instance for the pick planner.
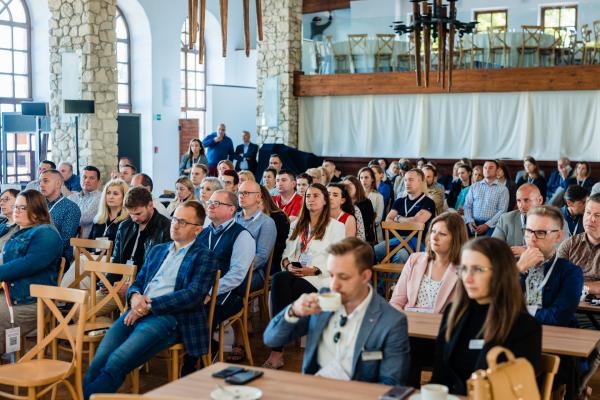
(512, 380)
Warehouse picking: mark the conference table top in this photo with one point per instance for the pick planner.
(555, 339)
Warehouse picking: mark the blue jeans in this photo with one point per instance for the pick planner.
(401, 256)
(125, 348)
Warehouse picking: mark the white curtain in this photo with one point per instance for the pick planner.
(546, 125)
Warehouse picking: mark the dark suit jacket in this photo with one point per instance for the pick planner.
(250, 156)
(194, 280)
(383, 329)
(524, 340)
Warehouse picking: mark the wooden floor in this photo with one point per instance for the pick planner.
(293, 362)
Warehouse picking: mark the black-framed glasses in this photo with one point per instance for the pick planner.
(246, 194)
(217, 203)
(182, 222)
(338, 334)
(540, 233)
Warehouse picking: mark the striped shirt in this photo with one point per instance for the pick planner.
(486, 202)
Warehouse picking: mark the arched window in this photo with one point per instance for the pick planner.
(123, 63)
(15, 87)
(193, 84)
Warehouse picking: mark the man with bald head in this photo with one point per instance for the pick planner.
(511, 225)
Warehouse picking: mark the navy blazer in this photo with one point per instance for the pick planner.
(186, 302)
(383, 329)
(560, 296)
(251, 156)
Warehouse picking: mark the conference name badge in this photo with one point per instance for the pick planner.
(372, 355)
(476, 344)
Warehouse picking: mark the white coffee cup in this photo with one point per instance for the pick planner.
(434, 391)
(330, 301)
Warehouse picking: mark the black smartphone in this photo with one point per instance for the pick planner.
(296, 264)
(242, 378)
(224, 373)
(397, 393)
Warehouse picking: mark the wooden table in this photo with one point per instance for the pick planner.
(555, 339)
(280, 385)
(591, 311)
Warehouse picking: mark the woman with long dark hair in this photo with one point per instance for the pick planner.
(195, 155)
(532, 175)
(341, 208)
(282, 224)
(363, 205)
(367, 180)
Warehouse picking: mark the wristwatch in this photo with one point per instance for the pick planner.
(317, 271)
(291, 312)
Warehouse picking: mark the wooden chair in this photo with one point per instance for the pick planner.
(119, 396)
(384, 51)
(241, 318)
(386, 267)
(468, 49)
(408, 57)
(530, 44)
(38, 374)
(174, 354)
(550, 365)
(97, 270)
(61, 271)
(497, 44)
(81, 247)
(593, 47)
(263, 293)
(342, 60)
(554, 50)
(357, 48)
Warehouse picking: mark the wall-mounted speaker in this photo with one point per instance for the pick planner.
(79, 107)
(34, 108)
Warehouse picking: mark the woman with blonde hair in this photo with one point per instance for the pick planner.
(246, 175)
(110, 210)
(184, 191)
(316, 174)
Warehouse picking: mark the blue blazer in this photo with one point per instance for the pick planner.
(186, 302)
(251, 156)
(560, 296)
(383, 329)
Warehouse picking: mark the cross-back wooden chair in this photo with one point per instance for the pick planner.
(81, 250)
(593, 47)
(530, 43)
(384, 51)
(357, 49)
(497, 44)
(174, 354)
(407, 56)
(468, 52)
(342, 60)
(549, 368)
(97, 271)
(263, 293)
(241, 318)
(387, 268)
(554, 50)
(37, 373)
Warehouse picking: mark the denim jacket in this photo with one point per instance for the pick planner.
(31, 256)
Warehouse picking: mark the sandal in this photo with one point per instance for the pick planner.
(267, 364)
(237, 354)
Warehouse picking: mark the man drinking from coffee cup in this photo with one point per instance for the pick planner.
(353, 333)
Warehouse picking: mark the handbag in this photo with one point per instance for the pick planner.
(511, 380)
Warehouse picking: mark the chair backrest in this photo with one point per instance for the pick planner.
(247, 289)
(357, 43)
(267, 276)
(585, 33)
(81, 248)
(385, 43)
(97, 270)
(497, 38)
(549, 369)
(393, 229)
(597, 31)
(61, 271)
(213, 302)
(532, 35)
(330, 48)
(47, 296)
(560, 37)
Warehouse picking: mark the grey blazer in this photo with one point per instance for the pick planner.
(383, 329)
(510, 229)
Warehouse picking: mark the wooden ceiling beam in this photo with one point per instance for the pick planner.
(313, 6)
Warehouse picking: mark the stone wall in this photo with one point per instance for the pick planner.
(87, 28)
(279, 54)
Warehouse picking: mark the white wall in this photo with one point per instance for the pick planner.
(39, 15)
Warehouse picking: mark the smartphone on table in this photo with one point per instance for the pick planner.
(242, 378)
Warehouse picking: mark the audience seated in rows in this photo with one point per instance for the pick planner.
(486, 202)
(305, 256)
(230, 181)
(382, 185)
(303, 181)
(209, 185)
(31, 255)
(88, 198)
(164, 305)
(268, 180)
(246, 175)
(504, 178)
(195, 155)
(145, 181)
(365, 339)
(485, 312)
(184, 191)
(459, 188)
(435, 191)
(575, 198)
(275, 162)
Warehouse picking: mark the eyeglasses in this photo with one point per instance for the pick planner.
(19, 208)
(463, 270)
(4, 199)
(182, 222)
(246, 194)
(540, 234)
(338, 334)
(216, 203)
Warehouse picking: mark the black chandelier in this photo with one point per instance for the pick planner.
(435, 21)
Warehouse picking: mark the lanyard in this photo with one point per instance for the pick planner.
(546, 278)
(574, 231)
(135, 245)
(9, 304)
(111, 223)
(413, 206)
(304, 241)
(55, 204)
(581, 183)
(220, 236)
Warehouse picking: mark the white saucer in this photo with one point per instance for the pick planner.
(418, 397)
(240, 393)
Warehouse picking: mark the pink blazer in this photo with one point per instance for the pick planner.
(407, 289)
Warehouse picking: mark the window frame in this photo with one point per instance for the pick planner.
(491, 12)
(560, 7)
(185, 51)
(129, 105)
